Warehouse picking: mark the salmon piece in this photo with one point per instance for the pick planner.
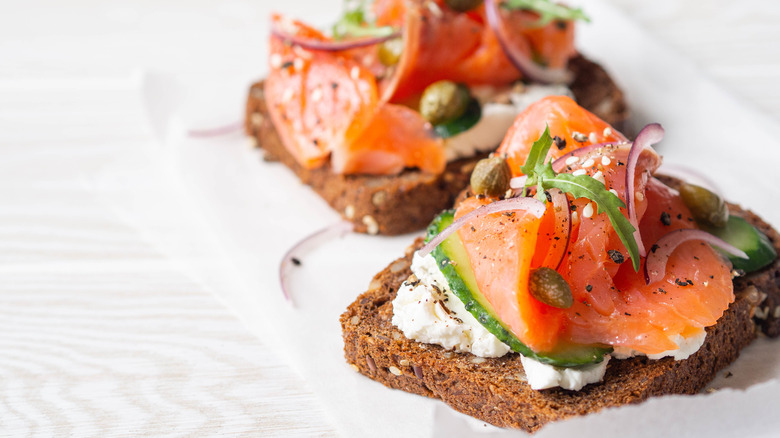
(612, 303)
(500, 248)
(440, 43)
(565, 119)
(326, 106)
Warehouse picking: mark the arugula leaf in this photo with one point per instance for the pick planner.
(548, 11)
(356, 23)
(584, 186)
(542, 175)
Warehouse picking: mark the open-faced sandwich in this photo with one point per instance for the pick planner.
(568, 278)
(386, 117)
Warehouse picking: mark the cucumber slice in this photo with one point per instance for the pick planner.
(746, 237)
(463, 123)
(454, 263)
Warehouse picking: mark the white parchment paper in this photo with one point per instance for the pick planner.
(227, 217)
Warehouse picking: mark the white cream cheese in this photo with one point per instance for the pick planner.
(496, 119)
(543, 376)
(426, 310)
(419, 310)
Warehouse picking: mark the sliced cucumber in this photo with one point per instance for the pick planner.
(463, 123)
(454, 263)
(746, 237)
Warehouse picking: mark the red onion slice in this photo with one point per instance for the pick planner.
(530, 205)
(215, 132)
(562, 211)
(655, 265)
(305, 245)
(329, 46)
(648, 136)
(521, 61)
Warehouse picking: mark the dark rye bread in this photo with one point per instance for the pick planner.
(398, 204)
(493, 390)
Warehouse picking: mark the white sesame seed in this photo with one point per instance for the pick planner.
(580, 137)
(605, 161)
(288, 95)
(434, 8)
(639, 196)
(614, 192)
(316, 95)
(598, 176)
(579, 172)
(574, 216)
(349, 211)
(607, 132)
(588, 163)
(372, 227)
(588, 210)
(592, 137)
(275, 60)
(395, 371)
(572, 160)
(298, 63)
(355, 73)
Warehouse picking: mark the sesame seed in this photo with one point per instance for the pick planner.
(605, 161)
(588, 210)
(588, 163)
(614, 192)
(592, 137)
(355, 73)
(607, 132)
(372, 227)
(395, 371)
(316, 95)
(434, 8)
(639, 196)
(579, 172)
(572, 160)
(298, 64)
(580, 137)
(598, 176)
(574, 216)
(275, 60)
(288, 95)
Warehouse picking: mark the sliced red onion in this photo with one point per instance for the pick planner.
(562, 211)
(648, 136)
(690, 175)
(655, 265)
(521, 61)
(217, 131)
(291, 257)
(329, 45)
(530, 205)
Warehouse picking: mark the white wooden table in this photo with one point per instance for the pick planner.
(102, 335)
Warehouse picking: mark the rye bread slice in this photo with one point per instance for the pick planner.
(399, 204)
(494, 390)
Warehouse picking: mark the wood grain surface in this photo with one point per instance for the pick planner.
(100, 335)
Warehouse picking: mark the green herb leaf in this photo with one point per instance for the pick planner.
(542, 175)
(547, 10)
(356, 23)
(584, 186)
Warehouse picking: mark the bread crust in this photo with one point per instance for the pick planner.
(494, 390)
(403, 203)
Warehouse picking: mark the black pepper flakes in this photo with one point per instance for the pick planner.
(654, 248)
(616, 256)
(666, 219)
(682, 283)
(588, 287)
(295, 261)
(560, 143)
(287, 65)
(548, 196)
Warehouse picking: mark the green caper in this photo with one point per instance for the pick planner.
(390, 51)
(444, 101)
(549, 287)
(463, 5)
(491, 177)
(706, 207)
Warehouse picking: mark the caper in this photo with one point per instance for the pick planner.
(463, 5)
(706, 207)
(444, 101)
(390, 51)
(491, 177)
(549, 287)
